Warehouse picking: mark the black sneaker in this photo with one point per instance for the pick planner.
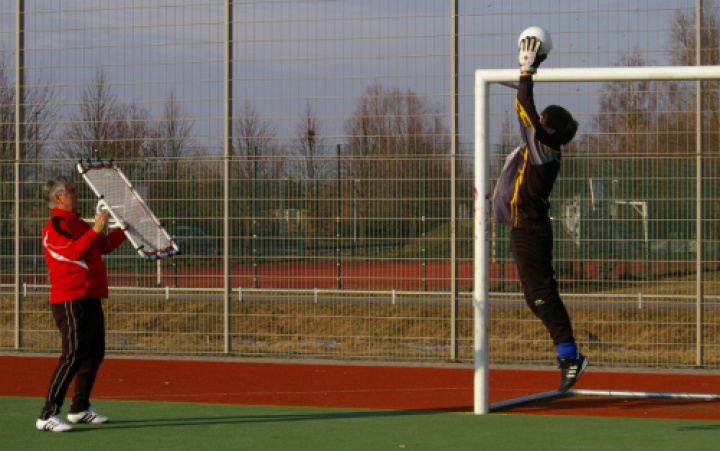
(571, 371)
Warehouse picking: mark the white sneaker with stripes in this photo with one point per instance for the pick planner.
(87, 416)
(53, 424)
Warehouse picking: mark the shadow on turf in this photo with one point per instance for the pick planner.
(560, 403)
(201, 421)
(704, 427)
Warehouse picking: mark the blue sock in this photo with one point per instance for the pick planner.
(567, 350)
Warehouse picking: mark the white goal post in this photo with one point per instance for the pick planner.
(482, 217)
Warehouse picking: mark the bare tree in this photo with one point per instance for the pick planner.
(651, 116)
(40, 109)
(169, 141)
(312, 163)
(396, 135)
(682, 37)
(133, 131)
(630, 114)
(682, 51)
(102, 123)
(39, 113)
(389, 122)
(252, 147)
(251, 133)
(92, 125)
(172, 132)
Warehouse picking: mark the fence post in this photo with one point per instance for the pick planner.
(423, 223)
(300, 231)
(227, 144)
(607, 235)
(283, 206)
(649, 195)
(255, 219)
(355, 219)
(688, 232)
(338, 275)
(583, 201)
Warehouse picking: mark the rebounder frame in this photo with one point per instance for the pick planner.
(171, 249)
(482, 217)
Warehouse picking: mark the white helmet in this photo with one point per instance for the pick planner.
(542, 35)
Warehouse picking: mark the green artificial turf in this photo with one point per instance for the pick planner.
(179, 426)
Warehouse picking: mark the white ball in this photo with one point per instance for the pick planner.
(542, 35)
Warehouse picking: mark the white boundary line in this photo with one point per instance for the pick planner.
(482, 224)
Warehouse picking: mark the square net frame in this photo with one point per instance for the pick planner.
(118, 196)
(482, 221)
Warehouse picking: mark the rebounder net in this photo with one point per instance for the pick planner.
(129, 211)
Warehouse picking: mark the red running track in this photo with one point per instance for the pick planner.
(364, 386)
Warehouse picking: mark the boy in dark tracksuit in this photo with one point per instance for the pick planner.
(521, 201)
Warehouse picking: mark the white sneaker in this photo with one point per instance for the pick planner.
(87, 416)
(53, 424)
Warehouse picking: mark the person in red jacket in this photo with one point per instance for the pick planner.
(78, 281)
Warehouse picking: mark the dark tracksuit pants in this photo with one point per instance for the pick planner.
(532, 250)
(82, 327)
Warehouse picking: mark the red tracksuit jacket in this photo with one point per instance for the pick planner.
(73, 252)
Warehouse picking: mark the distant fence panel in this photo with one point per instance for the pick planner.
(321, 268)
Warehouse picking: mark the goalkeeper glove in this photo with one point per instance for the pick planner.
(528, 56)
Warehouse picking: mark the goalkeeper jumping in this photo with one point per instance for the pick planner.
(521, 201)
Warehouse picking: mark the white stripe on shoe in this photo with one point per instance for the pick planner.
(88, 416)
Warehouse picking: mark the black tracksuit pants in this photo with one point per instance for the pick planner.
(532, 250)
(82, 327)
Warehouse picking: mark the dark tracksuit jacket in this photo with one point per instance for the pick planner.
(527, 179)
(521, 201)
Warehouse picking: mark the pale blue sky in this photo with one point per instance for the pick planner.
(288, 53)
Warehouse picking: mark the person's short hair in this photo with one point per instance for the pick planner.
(560, 120)
(54, 187)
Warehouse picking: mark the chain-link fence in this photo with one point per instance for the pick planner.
(346, 129)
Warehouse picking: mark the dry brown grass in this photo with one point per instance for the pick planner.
(612, 333)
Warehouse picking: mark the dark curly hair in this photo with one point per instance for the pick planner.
(560, 120)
